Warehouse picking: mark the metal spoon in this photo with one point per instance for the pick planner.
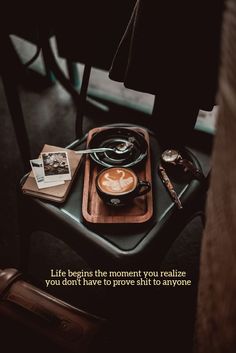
(120, 149)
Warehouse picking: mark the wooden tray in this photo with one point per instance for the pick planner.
(94, 209)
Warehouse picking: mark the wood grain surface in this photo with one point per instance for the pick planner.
(94, 210)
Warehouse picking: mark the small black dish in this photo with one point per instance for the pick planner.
(113, 137)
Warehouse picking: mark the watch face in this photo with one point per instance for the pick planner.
(170, 156)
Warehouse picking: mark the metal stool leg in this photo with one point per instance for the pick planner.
(49, 75)
(73, 73)
(9, 66)
(82, 100)
(15, 109)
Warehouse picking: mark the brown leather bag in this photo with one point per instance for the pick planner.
(61, 323)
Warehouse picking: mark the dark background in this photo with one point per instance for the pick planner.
(50, 118)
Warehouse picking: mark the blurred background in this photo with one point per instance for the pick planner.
(49, 114)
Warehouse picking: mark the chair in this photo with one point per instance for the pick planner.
(43, 317)
(113, 246)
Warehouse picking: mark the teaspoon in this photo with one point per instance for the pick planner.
(120, 149)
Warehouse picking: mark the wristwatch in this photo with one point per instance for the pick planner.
(174, 158)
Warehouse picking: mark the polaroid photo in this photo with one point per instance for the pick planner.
(56, 166)
(37, 168)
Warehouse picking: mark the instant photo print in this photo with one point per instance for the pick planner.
(56, 166)
(37, 168)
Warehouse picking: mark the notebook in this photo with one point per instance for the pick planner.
(56, 193)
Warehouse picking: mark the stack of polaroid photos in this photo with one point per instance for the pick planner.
(52, 169)
(52, 173)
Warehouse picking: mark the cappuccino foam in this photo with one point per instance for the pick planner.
(117, 181)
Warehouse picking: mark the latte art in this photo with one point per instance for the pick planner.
(117, 181)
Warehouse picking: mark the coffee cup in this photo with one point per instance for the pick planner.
(119, 186)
